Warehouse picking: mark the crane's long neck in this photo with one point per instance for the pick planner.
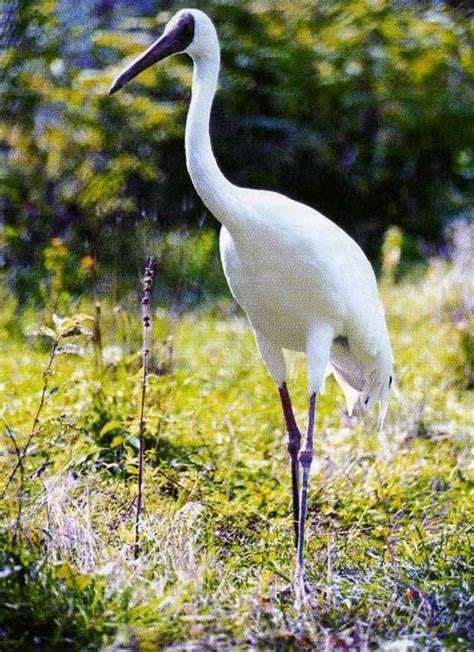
(217, 193)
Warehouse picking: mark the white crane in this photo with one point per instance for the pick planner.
(304, 284)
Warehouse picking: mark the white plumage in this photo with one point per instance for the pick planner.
(304, 284)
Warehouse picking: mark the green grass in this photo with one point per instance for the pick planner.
(390, 518)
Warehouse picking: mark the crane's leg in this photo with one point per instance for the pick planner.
(275, 362)
(293, 447)
(318, 349)
(305, 458)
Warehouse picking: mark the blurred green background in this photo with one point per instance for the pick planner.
(364, 110)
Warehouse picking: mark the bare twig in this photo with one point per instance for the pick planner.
(18, 453)
(46, 376)
(34, 428)
(146, 320)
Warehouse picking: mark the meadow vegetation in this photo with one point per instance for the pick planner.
(390, 516)
(361, 109)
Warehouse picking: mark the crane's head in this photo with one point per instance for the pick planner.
(190, 31)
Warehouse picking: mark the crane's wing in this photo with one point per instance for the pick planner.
(363, 363)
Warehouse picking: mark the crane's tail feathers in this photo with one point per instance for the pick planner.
(376, 391)
(362, 400)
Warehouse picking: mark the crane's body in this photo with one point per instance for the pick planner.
(314, 278)
(304, 284)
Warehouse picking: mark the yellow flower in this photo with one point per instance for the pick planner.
(88, 263)
(59, 247)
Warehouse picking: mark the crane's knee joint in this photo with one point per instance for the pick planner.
(294, 443)
(306, 457)
(293, 448)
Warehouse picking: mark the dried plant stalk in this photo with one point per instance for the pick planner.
(97, 339)
(20, 493)
(148, 281)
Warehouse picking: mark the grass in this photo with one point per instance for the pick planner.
(390, 519)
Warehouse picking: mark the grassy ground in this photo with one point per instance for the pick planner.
(390, 519)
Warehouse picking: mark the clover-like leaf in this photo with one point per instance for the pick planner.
(46, 331)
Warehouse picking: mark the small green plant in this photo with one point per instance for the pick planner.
(63, 328)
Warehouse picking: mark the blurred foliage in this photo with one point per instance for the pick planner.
(363, 110)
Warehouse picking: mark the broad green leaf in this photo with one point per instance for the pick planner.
(109, 427)
(133, 440)
(116, 441)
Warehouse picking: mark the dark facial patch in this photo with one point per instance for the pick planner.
(184, 31)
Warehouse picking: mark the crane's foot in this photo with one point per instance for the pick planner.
(305, 596)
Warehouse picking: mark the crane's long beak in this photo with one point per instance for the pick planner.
(172, 42)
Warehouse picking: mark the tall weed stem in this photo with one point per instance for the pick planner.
(148, 281)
